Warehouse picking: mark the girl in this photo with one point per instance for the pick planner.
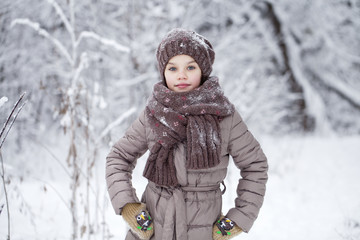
(191, 129)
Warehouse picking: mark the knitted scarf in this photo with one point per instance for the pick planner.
(192, 117)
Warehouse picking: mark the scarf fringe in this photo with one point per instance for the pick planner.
(160, 167)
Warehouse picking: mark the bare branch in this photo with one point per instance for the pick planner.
(346, 91)
(6, 195)
(105, 41)
(136, 80)
(44, 33)
(1, 159)
(337, 49)
(82, 65)
(57, 193)
(64, 19)
(1, 208)
(9, 117)
(54, 156)
(116, 123)
(317, 107)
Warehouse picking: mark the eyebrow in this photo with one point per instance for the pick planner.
(186, 64)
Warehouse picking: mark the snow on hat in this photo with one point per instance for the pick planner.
(180, 41)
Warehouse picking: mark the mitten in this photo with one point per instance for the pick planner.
(139, 220)
(225, 229)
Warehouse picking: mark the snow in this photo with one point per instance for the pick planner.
(312, 192)
(3, 100)
(117, 122)
(66, 120)
(105, 41)
(44, 33)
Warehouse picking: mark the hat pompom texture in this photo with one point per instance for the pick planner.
(180, 41)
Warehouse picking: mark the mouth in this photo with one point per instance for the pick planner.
(182, 85)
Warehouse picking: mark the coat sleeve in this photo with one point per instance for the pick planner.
(250, 159)
(121, 161)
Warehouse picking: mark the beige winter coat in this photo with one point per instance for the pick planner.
(189, 212)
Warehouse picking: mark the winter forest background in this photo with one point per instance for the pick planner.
(292, 68)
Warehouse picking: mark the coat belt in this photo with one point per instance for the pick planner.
(176, 219)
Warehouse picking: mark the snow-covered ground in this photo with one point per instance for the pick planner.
(313, 192)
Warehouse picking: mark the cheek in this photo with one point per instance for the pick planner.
(169, 80)
(168, 77)
(197, 78)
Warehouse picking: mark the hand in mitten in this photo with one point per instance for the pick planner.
(139, 219)
(225, 229)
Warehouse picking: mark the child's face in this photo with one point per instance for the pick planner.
(182, 74)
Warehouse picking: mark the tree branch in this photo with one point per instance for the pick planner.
(64, 19)
(105, 41)
(9, 117)
(44, 33)
(115, 123)
(1, 159)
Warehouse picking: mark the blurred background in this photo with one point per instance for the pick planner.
(292, 68)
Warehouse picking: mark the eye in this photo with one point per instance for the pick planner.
(191, 67)
(172, 69)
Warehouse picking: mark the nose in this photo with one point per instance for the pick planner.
(182, 75)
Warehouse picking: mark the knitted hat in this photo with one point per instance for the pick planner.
(180, 41)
